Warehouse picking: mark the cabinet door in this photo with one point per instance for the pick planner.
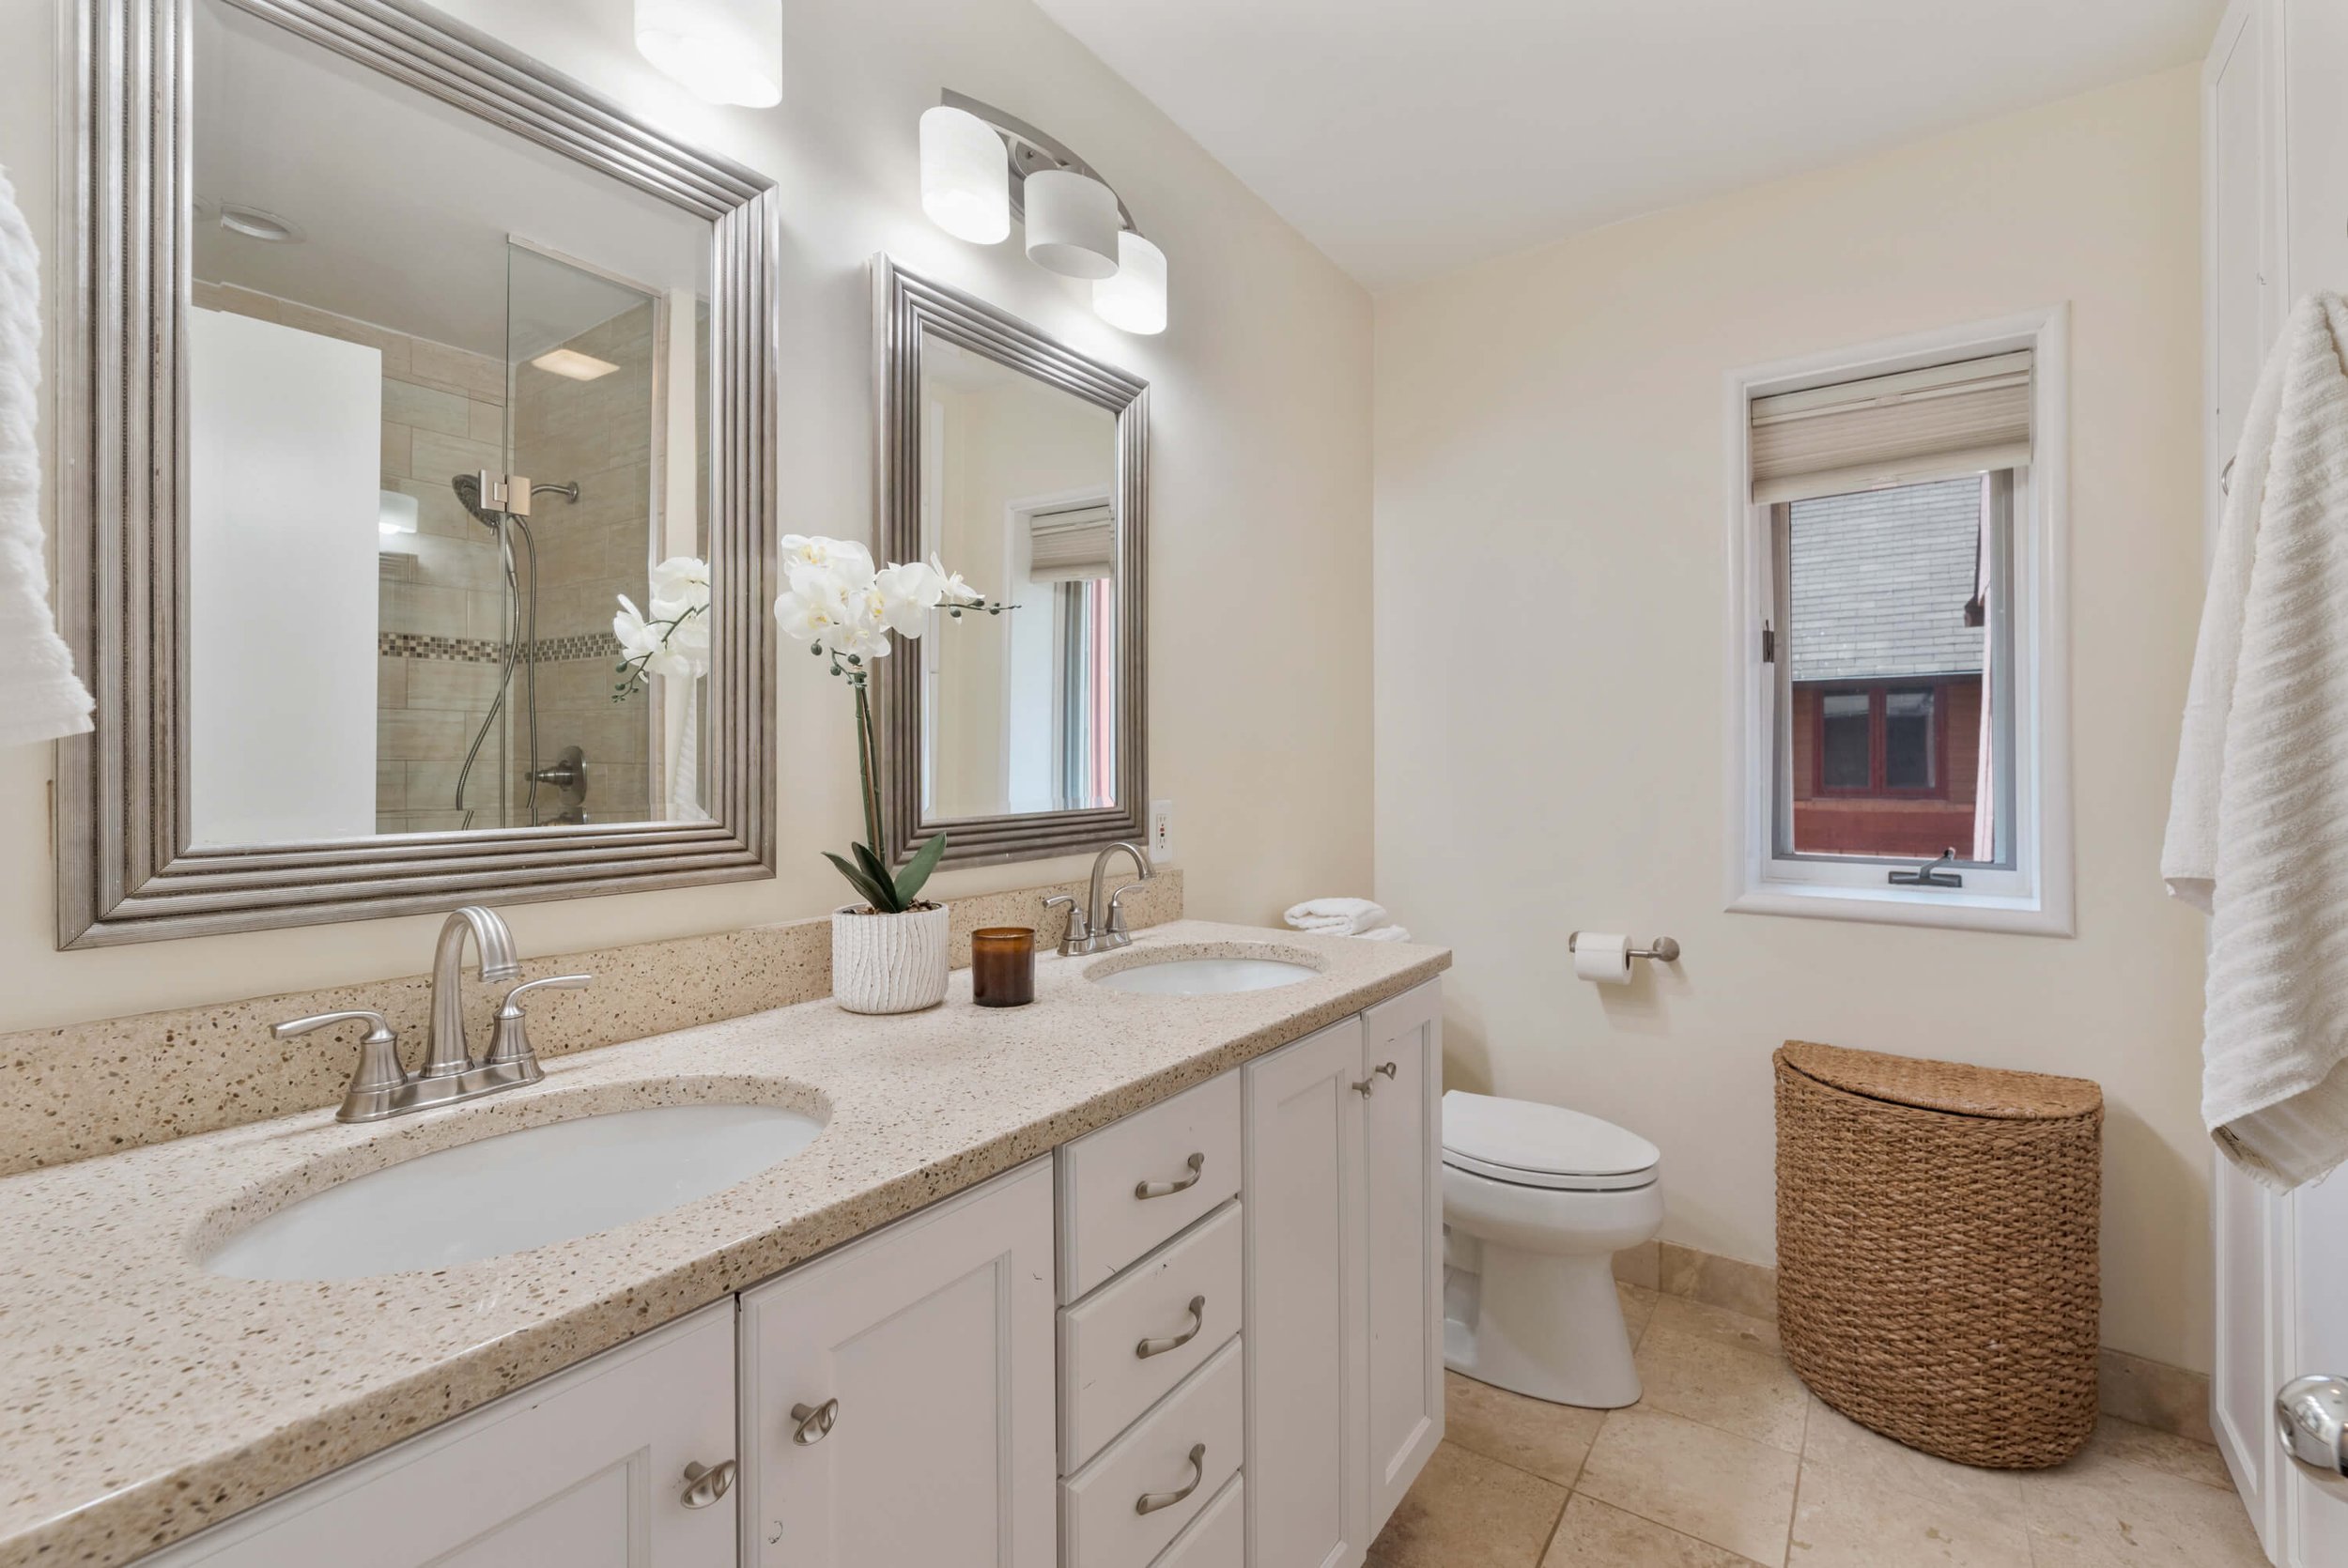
(585, 1469)
(1402, 1132)
(1304, 1317)
(933, 1337)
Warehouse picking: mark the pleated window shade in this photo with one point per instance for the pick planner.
(1906, 429)
(1076, 544)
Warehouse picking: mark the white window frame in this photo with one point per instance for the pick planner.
(2036, 897)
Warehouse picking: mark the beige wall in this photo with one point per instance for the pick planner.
(1259, 480)
(1550, 523)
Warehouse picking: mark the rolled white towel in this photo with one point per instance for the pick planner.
(1385, 933)
(1335, 916)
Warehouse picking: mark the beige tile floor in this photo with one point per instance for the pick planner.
(1728, 1461)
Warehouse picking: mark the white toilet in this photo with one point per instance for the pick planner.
(1536, 1201)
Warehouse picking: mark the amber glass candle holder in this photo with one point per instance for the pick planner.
(1002, 966)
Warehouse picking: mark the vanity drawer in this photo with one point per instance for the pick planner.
(1135, 1182)
(1218, 1537)
(1105, 1380)
(1100, 1522)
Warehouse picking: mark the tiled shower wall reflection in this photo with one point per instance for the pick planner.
(443, 609)
(596, 433)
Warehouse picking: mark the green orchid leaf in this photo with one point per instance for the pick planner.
(865, 887)
(877, 870)
(918, 869)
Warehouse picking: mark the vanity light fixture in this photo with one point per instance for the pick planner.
(966, 176)
(1134, 298)
(571, 363)
(723, 50)
(981, 168)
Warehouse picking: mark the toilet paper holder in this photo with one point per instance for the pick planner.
(1663, 950)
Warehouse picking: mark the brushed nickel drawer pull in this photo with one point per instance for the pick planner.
(1386, 1068)
(1197, 1163)
(815, 1422)
(1149, 1347)
(706, 1483)
(1149, 1502)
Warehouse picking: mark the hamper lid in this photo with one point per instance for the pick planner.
(1957, 1087)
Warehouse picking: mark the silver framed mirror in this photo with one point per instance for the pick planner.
(393, 360)
(1023, 464)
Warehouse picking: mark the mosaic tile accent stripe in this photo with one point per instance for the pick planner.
(471, 650)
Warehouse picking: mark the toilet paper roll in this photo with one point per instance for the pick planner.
(1601, 957)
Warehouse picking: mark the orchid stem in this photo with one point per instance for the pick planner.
(865, 746)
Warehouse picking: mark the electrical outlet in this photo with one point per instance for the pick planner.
(1161, 832)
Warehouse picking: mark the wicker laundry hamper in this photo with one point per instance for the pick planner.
(1937, 1264)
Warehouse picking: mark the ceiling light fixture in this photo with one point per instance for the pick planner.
(981, 168)
(723, 50)
(571, 363)
(253, 224)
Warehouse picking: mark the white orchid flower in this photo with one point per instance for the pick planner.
(834, 609)
(681, 580)
(641, 639)
(952, 589)
(844, 555)
(908, 592)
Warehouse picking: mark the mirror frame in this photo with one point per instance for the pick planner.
(906, 305)
(126, 869)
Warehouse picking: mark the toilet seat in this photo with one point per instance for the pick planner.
(1529, 1144)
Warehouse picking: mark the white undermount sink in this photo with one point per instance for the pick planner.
(515, 1192)
(1203, 977)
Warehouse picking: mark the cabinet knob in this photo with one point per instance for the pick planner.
(1149, 1502)
(706, 1483)
(815, 1422)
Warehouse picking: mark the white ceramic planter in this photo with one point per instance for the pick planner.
(888, 964)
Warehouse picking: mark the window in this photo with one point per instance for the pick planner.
(1893, 536)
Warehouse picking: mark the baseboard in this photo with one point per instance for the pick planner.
(2148, 1392)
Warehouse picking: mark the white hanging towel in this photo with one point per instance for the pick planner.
(45, 699)
(2257, 821)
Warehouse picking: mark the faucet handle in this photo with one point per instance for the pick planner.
(379, 1073)
(509, 1043)
(1119, 933)
(1079, 928)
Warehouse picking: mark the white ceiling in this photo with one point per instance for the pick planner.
(1408, 137)
(406, 202)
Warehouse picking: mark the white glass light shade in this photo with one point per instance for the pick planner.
(1135, 300)
(966, 176)
(723, 50)
(395, 512)
(1072, 224)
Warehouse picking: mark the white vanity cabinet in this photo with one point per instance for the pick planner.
(897, 1395)
(1344, 1222)
(1206, 1335)
(584, 1470)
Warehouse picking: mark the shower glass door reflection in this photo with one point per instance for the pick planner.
(534, 725)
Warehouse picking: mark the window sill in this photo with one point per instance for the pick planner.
(1901, 906)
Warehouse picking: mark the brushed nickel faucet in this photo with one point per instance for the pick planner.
(380, 1088)
(1094, 928)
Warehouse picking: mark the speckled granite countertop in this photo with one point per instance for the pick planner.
(143, 1398)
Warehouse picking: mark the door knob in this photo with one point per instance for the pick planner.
(2311, 1419)
(706, 1483)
